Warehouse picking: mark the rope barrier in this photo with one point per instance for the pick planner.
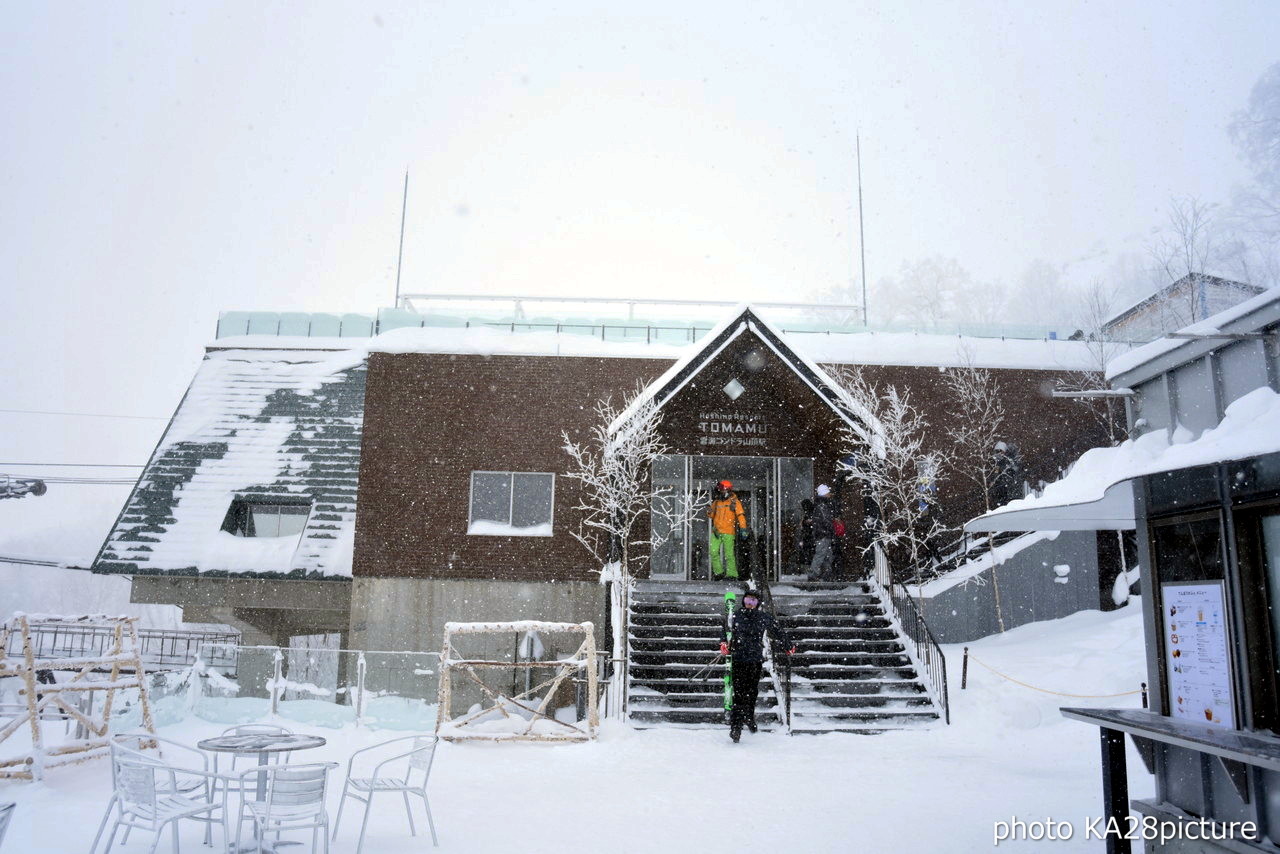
(975, 658)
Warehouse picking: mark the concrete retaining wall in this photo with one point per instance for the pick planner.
(1030, 590)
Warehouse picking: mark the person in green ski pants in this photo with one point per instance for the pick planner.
(727, 522)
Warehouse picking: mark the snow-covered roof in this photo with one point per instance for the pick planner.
(1095, 493)
(840, 348)
(741, 322)
(1168, 289)
(1248, 316)
(259, 425)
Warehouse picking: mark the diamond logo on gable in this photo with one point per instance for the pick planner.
(734, 389)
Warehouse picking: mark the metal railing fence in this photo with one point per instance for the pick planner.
(160, 649)
(925, 648)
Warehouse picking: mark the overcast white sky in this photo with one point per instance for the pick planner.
(162, 162)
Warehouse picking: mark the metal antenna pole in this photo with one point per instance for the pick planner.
(862, 237)
(404, 206)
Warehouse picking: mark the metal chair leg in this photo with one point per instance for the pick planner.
(430, 821)
(341, 805)
(368, 808)
(111, 840)
(102, 825)
(412, 830)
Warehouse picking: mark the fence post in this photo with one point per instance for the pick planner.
(276, 678)
(360, 672)
(964, 670)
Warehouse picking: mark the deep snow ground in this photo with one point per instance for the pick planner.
(1008, 753)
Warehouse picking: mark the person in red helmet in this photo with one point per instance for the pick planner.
(728, 521)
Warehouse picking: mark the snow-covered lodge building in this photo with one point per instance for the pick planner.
(312, 481)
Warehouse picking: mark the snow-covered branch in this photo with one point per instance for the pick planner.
(898, 475)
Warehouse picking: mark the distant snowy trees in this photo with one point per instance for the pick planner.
(1256, 133)
(1096, 400)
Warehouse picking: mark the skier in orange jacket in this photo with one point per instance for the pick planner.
(728, 521)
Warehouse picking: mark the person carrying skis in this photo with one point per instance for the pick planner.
(747, 628)
(727, 522)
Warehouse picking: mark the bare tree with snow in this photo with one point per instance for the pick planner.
(977, 413)
(1089, 386)
(897, 473)
(612, 465)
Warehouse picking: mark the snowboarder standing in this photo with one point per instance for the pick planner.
(747, 628)
(727, 522)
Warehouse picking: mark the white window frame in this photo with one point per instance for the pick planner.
(511, 498)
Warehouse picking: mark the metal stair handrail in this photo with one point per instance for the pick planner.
(925, 650)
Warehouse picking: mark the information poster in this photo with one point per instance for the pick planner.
(1196, 653)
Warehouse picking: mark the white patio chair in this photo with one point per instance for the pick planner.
(144, 798)
(189, 773)
(386, 779)
(294, 800)
(6, 814)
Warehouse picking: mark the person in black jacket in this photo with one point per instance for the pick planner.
(824, 518)
(748, 626)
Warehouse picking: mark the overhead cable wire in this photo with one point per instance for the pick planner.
(30, 561)
(79, 465)
(85, 414)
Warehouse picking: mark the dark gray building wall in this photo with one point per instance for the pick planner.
(1030, 590)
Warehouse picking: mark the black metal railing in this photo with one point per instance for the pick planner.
(927, 651)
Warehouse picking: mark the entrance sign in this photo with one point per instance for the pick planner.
(1196, 653)
(737, 429)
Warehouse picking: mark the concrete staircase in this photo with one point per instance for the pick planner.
(852, 671)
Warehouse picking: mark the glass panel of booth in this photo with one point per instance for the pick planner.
(1270, 530)
(1258, 541)
(1195, 626)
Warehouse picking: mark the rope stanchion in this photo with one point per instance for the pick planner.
(977, 660)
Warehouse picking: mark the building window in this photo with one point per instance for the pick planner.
(265, 518)
(512, 504)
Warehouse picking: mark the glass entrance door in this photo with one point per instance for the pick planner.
(770, 489)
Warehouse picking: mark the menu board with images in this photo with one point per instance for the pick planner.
(1196, 653)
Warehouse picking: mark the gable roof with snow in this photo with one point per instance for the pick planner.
(746, 321)
(267, 426)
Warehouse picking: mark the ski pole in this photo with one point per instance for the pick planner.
(701, 674)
